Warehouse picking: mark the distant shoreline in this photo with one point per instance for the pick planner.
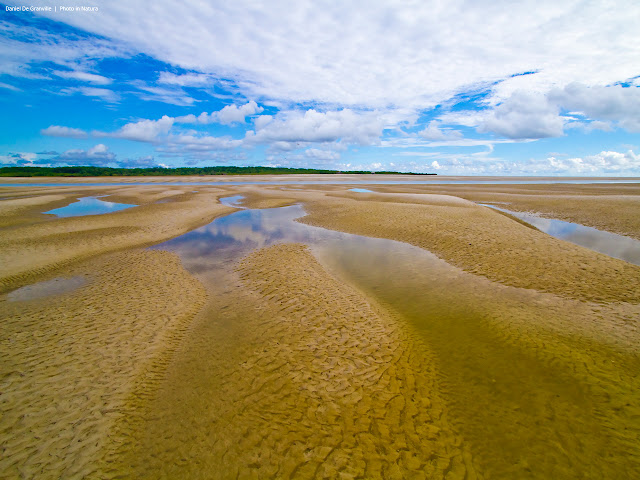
(88, 171)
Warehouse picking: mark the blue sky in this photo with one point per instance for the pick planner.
(456, 87)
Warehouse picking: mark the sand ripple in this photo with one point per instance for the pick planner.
(69, 363)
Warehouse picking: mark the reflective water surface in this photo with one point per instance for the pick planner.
(529, 402)
(56, 286)
(89, 206)
(618, 246)
(232, 201)
(360, 190)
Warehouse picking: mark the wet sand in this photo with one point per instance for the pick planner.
(33, 244)
(286, 365)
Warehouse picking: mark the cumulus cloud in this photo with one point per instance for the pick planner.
(58, 131)
(525, 115)
(606, 162)
(319, 127)
(193, 143)
(84, 77)
(603, 163)
(143, 130)
(99, 155)
(613, 103)
(433, 132)
(231, 114)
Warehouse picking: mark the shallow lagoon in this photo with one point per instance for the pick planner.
(529, 403)
(89, 206)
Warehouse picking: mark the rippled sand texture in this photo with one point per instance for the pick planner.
(613, 208)
(521, 363)
(485, 243)
(33, 244)
(70, 363)
(320, 383)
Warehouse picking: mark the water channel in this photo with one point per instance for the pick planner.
(614, 245)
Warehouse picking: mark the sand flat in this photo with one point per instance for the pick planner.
(486, 243)
(44, 245)
(282, 366)
(70, 363)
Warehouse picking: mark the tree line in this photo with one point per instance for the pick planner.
(89, 171)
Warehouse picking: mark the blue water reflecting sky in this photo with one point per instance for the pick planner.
(89, 206)
(618, 246)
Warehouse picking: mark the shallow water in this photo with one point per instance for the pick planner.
(360, 190)
(531, 403)
(617, 246)
(57, 286)
(89, 206)
(232, 201)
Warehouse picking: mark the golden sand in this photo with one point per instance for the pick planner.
(321, 383)
(288, 366)
(69, 363)
(485, 243)
(609, 207)
(45, 243)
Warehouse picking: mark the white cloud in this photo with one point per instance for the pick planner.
(57, 131)
(142, 130)
(231, 114)
(318, 127)
(602, 163)
(172, 95)
(433, 132)
(613, 103)
(200, 143)
(105, 94)
(525, 115)
(261, 121)
(96, 155)
(322, 155)
(186, 80)
(411, 54)
(9, 87)
(23, 46)
(84, 77)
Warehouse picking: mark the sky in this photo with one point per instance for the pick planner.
(448, 87)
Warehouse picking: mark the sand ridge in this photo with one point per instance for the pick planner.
(317, 382)
(70, 363)
(486, 243)
(31, 250)
(288, 371)
(608, 207)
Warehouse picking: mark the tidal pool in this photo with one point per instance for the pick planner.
(360, 190)
(89, 206)
(531, 394)
(232, 201)
(57, 286)
(617, 246)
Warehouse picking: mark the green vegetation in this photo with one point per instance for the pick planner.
(85, 171)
